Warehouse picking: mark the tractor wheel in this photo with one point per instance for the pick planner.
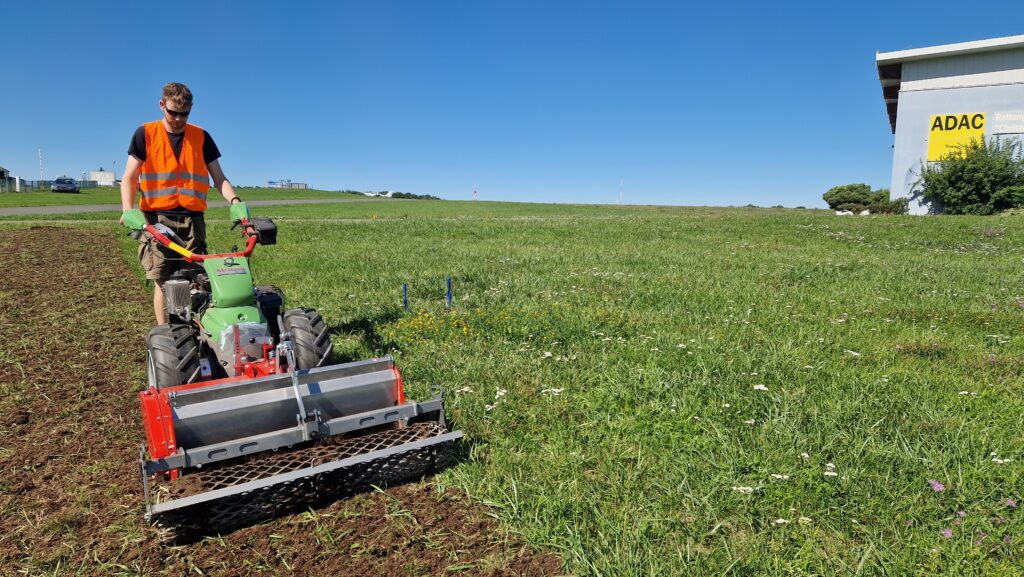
(173, 357)
(312, 343)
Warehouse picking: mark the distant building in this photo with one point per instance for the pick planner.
(286, 184)
(4, 173)
(102, 177)
(941, 97)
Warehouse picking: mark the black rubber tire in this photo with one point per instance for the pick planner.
(310, 338)
(173, 356)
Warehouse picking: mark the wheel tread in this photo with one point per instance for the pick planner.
(313, 347)
(175, 355)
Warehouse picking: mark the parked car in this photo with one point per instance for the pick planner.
(64, 184)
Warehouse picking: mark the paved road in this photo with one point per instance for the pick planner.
(72, 209)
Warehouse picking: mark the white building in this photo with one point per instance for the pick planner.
(286, 184)
(941, 97)
(102, 177)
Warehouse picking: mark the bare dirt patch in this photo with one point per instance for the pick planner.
(73, 317)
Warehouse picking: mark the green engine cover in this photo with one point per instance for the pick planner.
(234, 301)
(216, 321)
(230, 282)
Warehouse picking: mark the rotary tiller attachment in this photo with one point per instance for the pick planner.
(230, 453)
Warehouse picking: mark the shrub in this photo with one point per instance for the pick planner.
(854, 197)
(860, 197)
(978, 178)
(411, 196)
(1009, 197)
(882, 205)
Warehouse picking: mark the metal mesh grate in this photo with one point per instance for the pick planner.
(242, 509)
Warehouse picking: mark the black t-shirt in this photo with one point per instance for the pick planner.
(138, 146)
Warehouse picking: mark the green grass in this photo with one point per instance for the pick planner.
(364, 208)
(45, 198)
(607, 365)
(887, 345)
(108, 195)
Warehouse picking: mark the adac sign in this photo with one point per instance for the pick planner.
(949, 132)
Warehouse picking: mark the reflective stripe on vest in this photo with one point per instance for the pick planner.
(159, 192)
(193, 193)
(170, 175)
(169, 191)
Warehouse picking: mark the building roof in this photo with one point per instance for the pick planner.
(890, 64)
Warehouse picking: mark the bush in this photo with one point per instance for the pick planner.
(859, 197)
(853, 197)
(411, 196)
(1009, 197)
(882, 205)
(978, 178)
(850, 207)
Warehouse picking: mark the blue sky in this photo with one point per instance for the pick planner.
(722, 103)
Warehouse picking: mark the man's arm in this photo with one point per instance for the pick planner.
(220, 182)
(130, 216)
(129, 182)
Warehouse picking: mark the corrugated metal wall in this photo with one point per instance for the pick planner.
(984, 69)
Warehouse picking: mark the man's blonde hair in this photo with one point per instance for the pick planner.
(178, 93)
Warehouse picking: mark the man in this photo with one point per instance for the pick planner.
(172, 163)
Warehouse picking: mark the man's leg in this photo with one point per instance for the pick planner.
(154, 262)
(158, 302)
(160, 263)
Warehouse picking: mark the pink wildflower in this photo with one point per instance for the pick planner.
(947, 533)
(1011, 503)
(936, 486)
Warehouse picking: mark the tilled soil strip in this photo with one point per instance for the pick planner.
(73, 319)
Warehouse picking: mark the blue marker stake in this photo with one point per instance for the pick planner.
(405, 297)
(449, 292)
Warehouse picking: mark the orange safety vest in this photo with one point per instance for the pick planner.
(168, 182)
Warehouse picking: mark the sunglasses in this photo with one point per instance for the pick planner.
(183, 114)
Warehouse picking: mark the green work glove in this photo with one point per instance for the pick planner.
(239, 211)
(132, 219)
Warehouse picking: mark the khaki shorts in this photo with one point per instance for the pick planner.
(160, 262)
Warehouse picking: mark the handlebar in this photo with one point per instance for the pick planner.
(247, 230)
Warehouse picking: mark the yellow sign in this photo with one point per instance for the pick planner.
(949, 132)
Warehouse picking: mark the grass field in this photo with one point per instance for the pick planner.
(663, 391)
(655, 391)
(108, 195)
